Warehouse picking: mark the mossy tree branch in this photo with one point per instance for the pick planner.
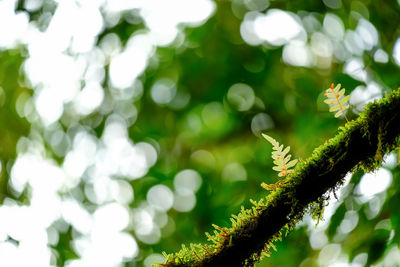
(361, 143)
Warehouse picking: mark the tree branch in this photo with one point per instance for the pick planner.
(361, 143)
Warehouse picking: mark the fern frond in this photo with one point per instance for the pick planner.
(337, 100)
(281, 159)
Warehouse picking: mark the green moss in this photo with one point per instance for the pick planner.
(361, 143)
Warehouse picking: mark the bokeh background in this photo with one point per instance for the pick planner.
(128, 127)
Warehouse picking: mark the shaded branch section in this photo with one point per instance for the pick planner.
(361, 143)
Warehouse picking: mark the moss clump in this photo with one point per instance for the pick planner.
(361, 143)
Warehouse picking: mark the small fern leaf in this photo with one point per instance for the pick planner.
(292, 163)
(277, 168)
(271, 140)
(281, 159)
(337, 99)
(284, 152)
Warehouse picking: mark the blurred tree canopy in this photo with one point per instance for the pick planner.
(129, 128)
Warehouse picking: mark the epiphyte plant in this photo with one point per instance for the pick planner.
(337, 100)
(281, 160)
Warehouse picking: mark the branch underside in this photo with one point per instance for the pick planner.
(360, 143)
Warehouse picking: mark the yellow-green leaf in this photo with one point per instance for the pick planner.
(334, 108)
(281, 159)
(337, 98)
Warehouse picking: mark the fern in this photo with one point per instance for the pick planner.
(337, 99)
(281, 160)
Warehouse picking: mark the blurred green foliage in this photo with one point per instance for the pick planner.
(209, 132)
(12, 126)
